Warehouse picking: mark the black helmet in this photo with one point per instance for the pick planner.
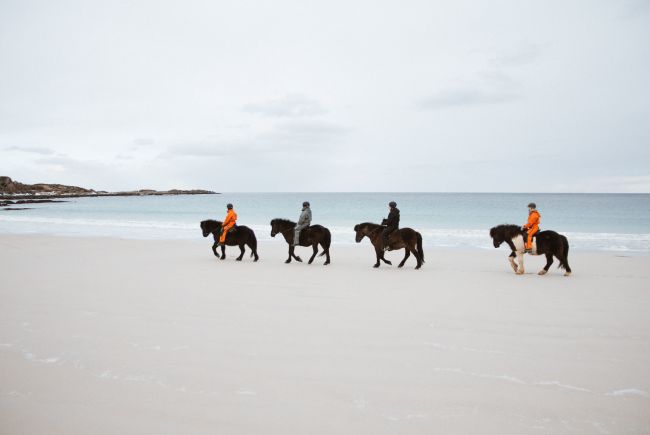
(228, 206)
(532, 205)
(392, 204)
(305, 204)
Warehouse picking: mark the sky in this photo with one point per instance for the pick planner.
(435, 96)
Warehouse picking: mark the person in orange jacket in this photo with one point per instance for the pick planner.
(228, 223)
(532, 226)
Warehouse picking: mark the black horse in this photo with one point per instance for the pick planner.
(404, 238)
(242, 235)
(310, 236)
(547, 242)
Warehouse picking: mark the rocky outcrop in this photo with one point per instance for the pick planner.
(10, 189)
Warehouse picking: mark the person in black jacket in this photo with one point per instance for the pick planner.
(391, 222)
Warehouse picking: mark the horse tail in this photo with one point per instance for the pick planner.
(564, 259)
(252, 242)
(420, 250)
(326, 242)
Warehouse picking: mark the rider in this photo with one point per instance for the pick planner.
(303, 222)
(228, 223)
(532, 226)
(391, 222)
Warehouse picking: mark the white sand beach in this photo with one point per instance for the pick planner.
(109, 336)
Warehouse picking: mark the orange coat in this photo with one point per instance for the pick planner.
(533, 222)
(532, 226)
(228, 223)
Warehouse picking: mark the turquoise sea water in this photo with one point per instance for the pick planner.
(614, 222)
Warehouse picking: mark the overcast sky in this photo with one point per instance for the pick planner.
(506, 96)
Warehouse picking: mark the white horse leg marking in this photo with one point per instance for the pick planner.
(512, 263)
(520, 260)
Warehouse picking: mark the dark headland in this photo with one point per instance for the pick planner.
(13, 192)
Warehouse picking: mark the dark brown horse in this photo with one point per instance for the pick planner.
(404, 238)
(242, 235)
(310, 236)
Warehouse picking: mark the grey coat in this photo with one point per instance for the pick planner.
(305, 218)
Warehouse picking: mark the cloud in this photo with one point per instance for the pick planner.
(34, 150)
(143, 141)
(615, 184)
(289, 106)
(524, 55)
(284, 137)
(466, 97)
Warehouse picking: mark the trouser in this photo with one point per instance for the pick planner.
(385, 234)
(531, 233)
(224, 232)
(296, 234)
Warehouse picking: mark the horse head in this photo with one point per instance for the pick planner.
(210, 226)
(496, 240)
(360, 230)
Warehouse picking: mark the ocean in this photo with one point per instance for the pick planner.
(609, 222)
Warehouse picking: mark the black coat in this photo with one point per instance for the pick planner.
(392, 221)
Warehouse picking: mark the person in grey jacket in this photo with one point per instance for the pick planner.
(303, 222)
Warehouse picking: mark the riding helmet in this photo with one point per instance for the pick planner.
(532, 205)
(392, 204)
(228, 206)
(305, 204)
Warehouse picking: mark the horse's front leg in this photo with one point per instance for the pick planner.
(223, 252)
(520, 260)
(242, 249)
(315, 247)
(406, 256)
(511, 259)
(214, 249)
(292, 252)
(379, 252)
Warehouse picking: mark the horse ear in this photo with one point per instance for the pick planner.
(356, 227)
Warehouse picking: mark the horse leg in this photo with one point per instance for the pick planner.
(511, 259)
(242, 249)
(315, 247)
(327, 256)
(254, 250)
(214, 249)
(380, 255)
(567, 268)
(417, 257)
(549, 261)
(520, 260)
(292, 252)
(406, 256)
(223, 252)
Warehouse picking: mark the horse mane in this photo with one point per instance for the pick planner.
(506, 231)
(283, 221)
(367, 224)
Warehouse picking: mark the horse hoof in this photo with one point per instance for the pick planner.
(326, 263)
(400, 265)
(389, 263)
(417, 267)
(287, 262)
(239, 259)
(542, 272)
(255, 261)
(376, 266)
(567, 274)
(222, 258)
(520, 272)
(299, 259)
